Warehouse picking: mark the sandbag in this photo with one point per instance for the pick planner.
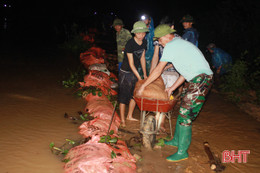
(89, 158)
(104, 89)
(91, 97)
(97, 52)
(100, 67)
(102, 109)
(96, 157)
(99, 104)
(94, 55)
(112, 75)
(124, 161)
(100, 80)
(155, 90)
(97, 126)
(99, 77)
(88, 59)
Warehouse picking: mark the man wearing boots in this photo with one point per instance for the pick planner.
(192, 67)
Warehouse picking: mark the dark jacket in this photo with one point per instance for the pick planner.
(191, 35)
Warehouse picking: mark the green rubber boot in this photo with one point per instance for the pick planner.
(175, 141)
(184, 143)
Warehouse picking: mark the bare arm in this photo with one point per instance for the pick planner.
(153, 76)
(132, 66)
(143, 64)
(176, 84)
(168, 66)
(155, 58)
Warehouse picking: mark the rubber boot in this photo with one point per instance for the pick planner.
(175, 141)
(184, 143)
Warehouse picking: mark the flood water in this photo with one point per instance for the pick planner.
(33, 103)
(32, 108)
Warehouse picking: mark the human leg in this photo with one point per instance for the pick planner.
(184, 140)
(122, 114)
(131, 108)
(175, 140)
(191, 105)
(123, 96)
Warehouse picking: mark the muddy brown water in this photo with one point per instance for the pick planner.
(33, 103)
(32, 107)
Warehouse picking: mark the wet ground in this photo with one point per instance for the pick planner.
(33, 103)
(220, 124)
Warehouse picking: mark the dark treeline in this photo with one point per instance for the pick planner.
(232, 24)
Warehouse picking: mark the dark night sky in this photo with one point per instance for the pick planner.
(129, 10)
(221, 21)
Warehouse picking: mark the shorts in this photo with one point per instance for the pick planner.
(127, 81)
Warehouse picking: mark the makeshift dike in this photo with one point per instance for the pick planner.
(94, 155)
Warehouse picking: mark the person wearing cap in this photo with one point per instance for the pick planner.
(122, 36)
(169, 75)
(192, 66)
(221, 61)
(148, 20)
(190, 33)
(128, 75)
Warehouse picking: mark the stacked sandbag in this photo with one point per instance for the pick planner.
(92, 56)
(94, 156)
(100, 67)
(155, 90)
(102, 108)
(100, 80)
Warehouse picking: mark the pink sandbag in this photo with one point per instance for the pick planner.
(94, 105)
(100, 80)
(98, 52)
(88, 59)
(98, 76)
(122, 150)
(99, 105)
(96, 157)
(94, 55)
(112, 75)
(124, 160)
(106, 90)
(107, 116)
(103, 110)
(91, 97)
(121, 165)
(97, 127)
(89, 158)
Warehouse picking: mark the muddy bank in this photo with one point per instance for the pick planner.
(221, 124)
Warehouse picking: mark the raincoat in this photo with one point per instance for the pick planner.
(221, 58)
(150, 47)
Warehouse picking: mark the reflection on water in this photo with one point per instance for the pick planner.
(32, 118)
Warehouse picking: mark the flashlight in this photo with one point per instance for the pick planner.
(143, 17)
